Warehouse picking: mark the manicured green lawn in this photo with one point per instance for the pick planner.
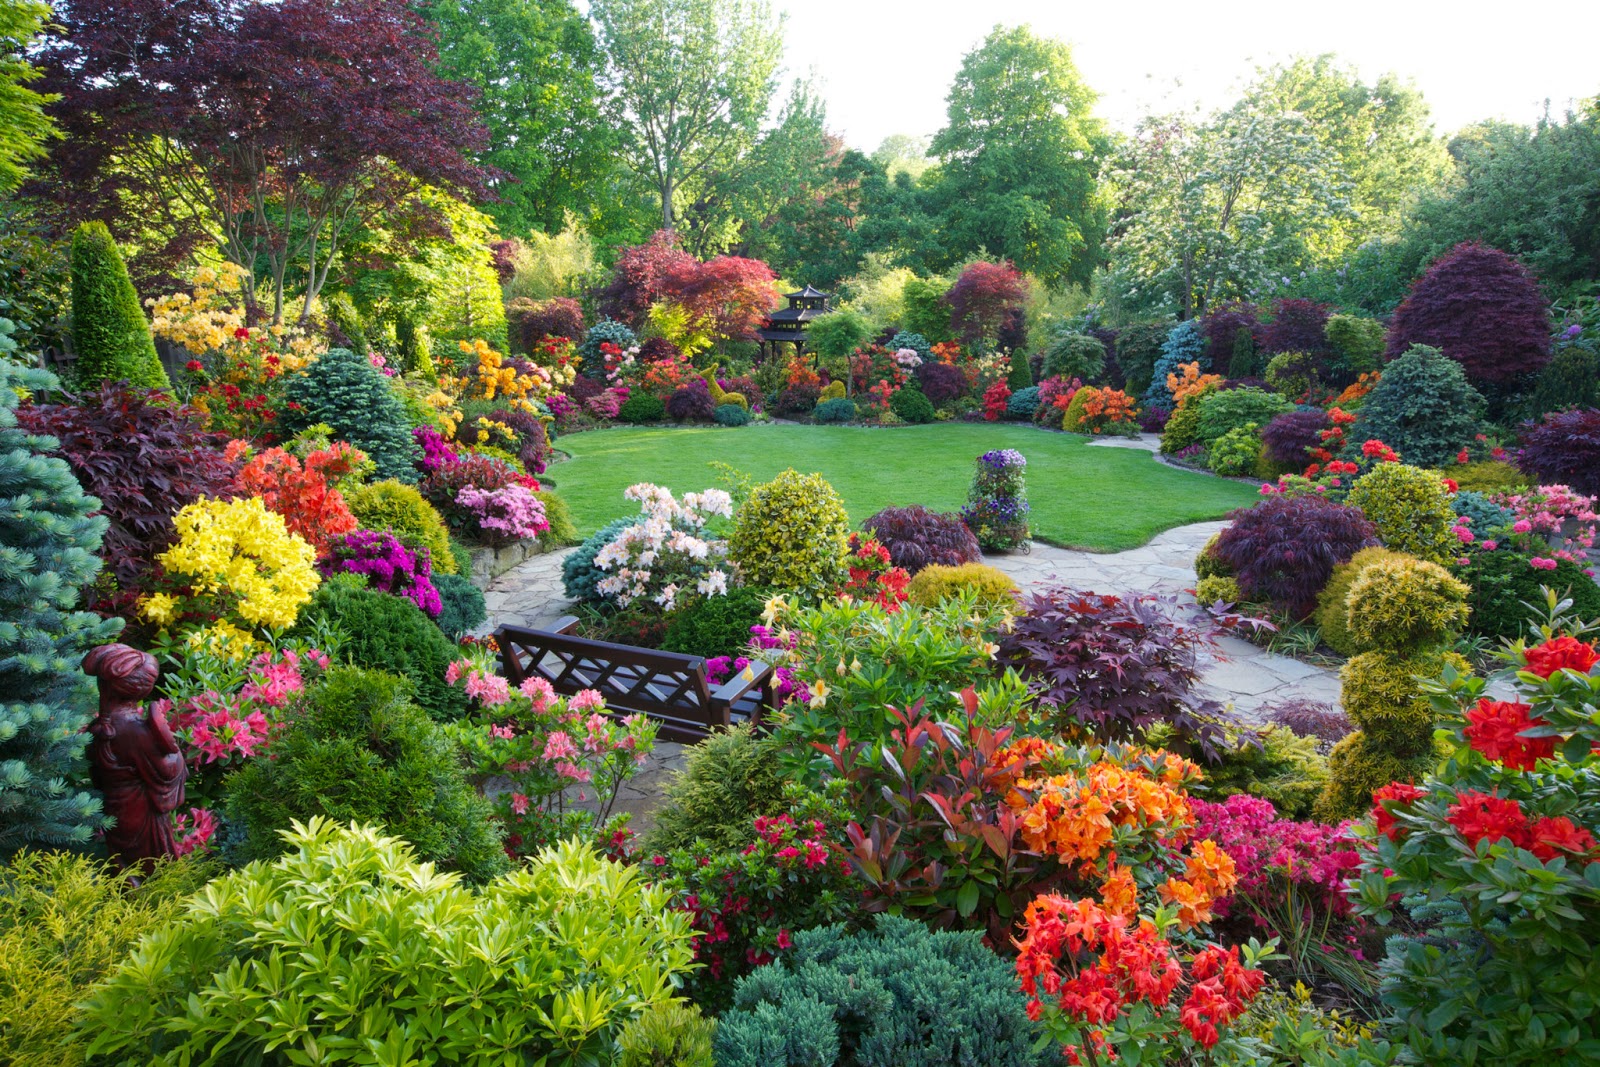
(1105, 499)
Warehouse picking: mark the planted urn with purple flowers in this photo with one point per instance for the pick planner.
(997, 504)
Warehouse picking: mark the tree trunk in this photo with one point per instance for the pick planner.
(666, 201)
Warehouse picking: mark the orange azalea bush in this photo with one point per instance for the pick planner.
(303, 493)
(1108, 409)
(1189, 381)
(1357, 389)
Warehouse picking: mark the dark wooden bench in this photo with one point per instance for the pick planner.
(669, 688)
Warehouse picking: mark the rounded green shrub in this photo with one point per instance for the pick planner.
(462, 607)
(1507, 592)
(387, 633)
(1399, 605)
(1357, 343)
(1075, 355)
(1218, 587)
(716, 625)
(839, 410)
(912, 405)
(1423, 407)
(900, 995)
(1183, 427)
(1237, 452)
(399, 509)
(728, 780)
(731, 414)
(938, 582)
(1229, 409)
(1333, 610)
(792, 533)
(1411, 508)
(641, 407)
(1570, 380)
(356, 748)
(1209, 563)
(1023, 403)
(579, 575)
(1072, 418)
(1275, 764)
(349, 394)
(834, 390)
(110, 334)
(349, 945)
(1357, 767)
(1487, 476)
(1379, 692)
(563, 527)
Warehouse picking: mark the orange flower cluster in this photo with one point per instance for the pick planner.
(1075, 817)
(303, 494)
(1360, 388)
(1208, 877)
(1190, 382)
(799, 372)
(1108, 408)
(947, 352)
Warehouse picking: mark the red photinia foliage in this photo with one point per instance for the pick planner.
(1284, 549)
(532, 321)
(1564, 448)
(144, 458)
(1483, 309)
(917, 537)
(302, 493)
(1222, 326)
(640, 277)
(1296, 326)
(1561, 653)
(202, 108)
(982, 299)
(732, 294)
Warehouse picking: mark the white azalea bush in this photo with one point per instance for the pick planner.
(666, 554)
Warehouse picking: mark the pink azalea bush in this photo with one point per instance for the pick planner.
(1566, 519)
(1267, 850)
(562, 760)
(387, 565)
(505, 514)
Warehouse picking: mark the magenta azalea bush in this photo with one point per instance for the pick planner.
(387, 565)
(505, 514)
(1268, 850)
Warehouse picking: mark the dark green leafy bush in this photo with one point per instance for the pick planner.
(358, 750)
(1507, 596)
(1075, 355)
(729, 779)
(1357, 344)
(1423, 407)
(731, 415)
(898, 996)
(109, 331)
(579, 575)
(912, 405)
(716, 625)
(1023, 403)
(841, 410)
(1021, 375)
(1230, 409)
(641, 407)
(1570, 380)
(387, 633)
(353, 397)
(463, 609)
(1138, 347)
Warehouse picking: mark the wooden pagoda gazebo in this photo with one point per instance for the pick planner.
(788, 326)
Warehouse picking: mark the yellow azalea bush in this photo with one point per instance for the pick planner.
(492, 377)
(234, 568)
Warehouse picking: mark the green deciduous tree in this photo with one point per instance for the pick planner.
(109, 331)
(1018, 159)
(691, 80)
(24, 126)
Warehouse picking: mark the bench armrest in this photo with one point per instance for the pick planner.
(564, 625)
(754, 673)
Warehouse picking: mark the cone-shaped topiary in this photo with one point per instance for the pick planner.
(352, 396)
(48, 542)
(109, 331)
(1021, 375)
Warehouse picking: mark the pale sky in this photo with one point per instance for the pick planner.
(884, 66)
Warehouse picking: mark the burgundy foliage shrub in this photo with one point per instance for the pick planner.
(1221, 327)
(1115, 664)
(735, 295)
(797, 399)
(746, 387)
(1284, 549)
(1296, 326)
(941, 383)
(658, 350)
(983, 298)
(640, 278)
(1309, 718)
(584, 388)
(917, 537)
(691, 402)
(144, 458)
(1564, 448)
(1483, 309)
(532, 321)
(1288, 436)
(1013, 331)
(505, 253)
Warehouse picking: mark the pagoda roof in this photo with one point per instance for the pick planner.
(796, 315)
(807, 293)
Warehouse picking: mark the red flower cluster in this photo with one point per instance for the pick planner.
(1379, 451)
(1495, 728)
(303, 493)
(1332, 440)
(1393, 793)
(1486, 817)
(994, 401)
(1223, 989)
(871, 575)
(1561, 653)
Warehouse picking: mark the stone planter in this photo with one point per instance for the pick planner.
(490, 563)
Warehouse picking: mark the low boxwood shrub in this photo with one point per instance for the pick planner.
(716, 625)
(1411, 509)
(791, 534)
(728, 780)
(387, 633)
(641, 407)
(899, 995)
(912, 406)
(1208, 563)
(563, 527)
(1507, 592)
(1218, 588)
(579, 575)
(356, 748)
(399, 509)
(350, 941)
(1564, 448)
(732, 414)
(918, 537)
(937, 582)
(1283, 550)
(1023, 403)
(839, 410)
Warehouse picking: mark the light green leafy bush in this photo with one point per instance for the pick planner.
(1333, 610)
(791, 534)
(347, 949)
(1236, 452)
(400, 510)
(728, 780)
(1357, 342)
(1225, 410)
(1075, 355)
(1411, 508)
(1276, 765)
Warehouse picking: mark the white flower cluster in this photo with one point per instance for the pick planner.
(663, 554)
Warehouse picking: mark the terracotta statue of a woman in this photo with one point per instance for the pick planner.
(134, 760)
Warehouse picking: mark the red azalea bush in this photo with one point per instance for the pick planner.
(1290, 437)
(1113, 666)
(917, 537)
(994, 401)
(1483, 309)
(303, 493)
(872, 575)
(144, 458)
(1564, 447)
(1284, 549)
(1499, 848)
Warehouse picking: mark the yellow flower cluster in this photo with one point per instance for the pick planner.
(445, 408)
(239, 559)
(205, 320)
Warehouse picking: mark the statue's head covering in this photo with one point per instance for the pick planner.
(126, 671)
